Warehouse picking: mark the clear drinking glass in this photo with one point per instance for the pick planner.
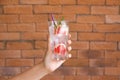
(58, 39)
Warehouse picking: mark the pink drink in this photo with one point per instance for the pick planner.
(58, 39)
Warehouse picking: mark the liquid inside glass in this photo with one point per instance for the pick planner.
(58, 39)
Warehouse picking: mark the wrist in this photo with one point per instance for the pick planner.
(46, 68)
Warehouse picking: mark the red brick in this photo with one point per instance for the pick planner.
(91, 2)
(10, 77)
(106, 28)
(19, 62)
(118, 63)
(41, 44)
(23, 27)
(80, 27)
(112, 18)
(105, 77)
(91, 54)
(19, 45)
(90, 71)
(90, 19)
(77, 63)
(73, 35)
(76, 9)
(3, 77)
(67, 17)
(1, 9)
(10, 54)
(9, 36)
(58, 2)
(38, 60)
(113, 2)
(103, 62)
(112, 71)
(119, 45)
(42, 27)
(9, 71)
(52, 77)
(8, 18)
(111, 62)
(2, 62)
(18, 9)
(105, 10)
(33, 18)
(91, 36)
(112, 54)
(1, 45)
(74, 53)
(113, 37)
(33, 53)
(25, 69)
(33, 1)
(103, 45)
(64, 71)
(77, 78)
(8, 2)
(34, 36)
(3, 27)
(80, 45)
(47, 9)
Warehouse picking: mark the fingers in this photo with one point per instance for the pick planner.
(69, 55)
(69, 36)
(49, 43)
(69, 42)
(69, 48)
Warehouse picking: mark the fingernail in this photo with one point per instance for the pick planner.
(69, 48)
(69, 41)
(69, 55)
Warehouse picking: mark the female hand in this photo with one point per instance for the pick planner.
(52, 64)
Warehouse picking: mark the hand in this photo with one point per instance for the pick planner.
(52, 64)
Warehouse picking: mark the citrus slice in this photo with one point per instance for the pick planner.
(60, 49)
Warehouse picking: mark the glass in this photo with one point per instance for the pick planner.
(59, 34)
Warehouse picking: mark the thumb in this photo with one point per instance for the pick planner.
(49, 45)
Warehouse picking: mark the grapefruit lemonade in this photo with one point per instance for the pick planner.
(59, 32)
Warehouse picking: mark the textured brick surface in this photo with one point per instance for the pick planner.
(62, 2)
(18, 9)
(94, 26)
(105, 10)
(91, 2)
(33, 1)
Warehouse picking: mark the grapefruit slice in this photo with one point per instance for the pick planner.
(60, 49)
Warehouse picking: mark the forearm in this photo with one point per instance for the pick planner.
(35, 73)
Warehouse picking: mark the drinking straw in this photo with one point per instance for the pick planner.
(53, 20)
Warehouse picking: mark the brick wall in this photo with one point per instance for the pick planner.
(94, 26)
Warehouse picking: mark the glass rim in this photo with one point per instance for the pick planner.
(61, 21)
(50, 22)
